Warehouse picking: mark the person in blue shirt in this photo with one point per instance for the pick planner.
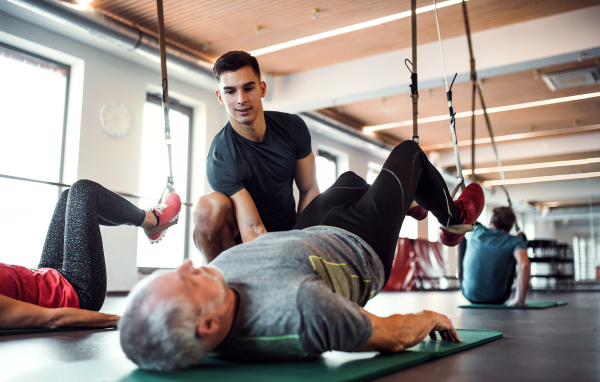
(489, 262)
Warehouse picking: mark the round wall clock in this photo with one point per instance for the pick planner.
(115, 119)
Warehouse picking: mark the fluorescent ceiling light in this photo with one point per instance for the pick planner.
(534, 166)
(547, 204)
(539, 179)
(513, 137)
(490, 110)
(350, 28)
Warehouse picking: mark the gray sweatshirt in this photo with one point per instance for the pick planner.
(299, 293)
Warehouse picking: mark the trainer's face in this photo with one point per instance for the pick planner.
(241, 92)
(204, 286)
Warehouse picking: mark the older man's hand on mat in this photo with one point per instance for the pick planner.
(445, 328)
(402, 331)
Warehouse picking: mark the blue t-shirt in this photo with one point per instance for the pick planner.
(265, 169)
(488, 264)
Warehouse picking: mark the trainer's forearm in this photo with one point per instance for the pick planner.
(523, 282)
(306, 198)
(400, 331)
(251, 232)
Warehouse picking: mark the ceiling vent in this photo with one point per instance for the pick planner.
(572, 78)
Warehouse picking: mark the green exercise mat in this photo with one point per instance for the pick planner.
(332, 367)
(14, 332)
(530, 305)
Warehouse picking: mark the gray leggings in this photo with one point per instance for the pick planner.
(74, 244)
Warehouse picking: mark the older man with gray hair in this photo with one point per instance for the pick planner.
(296, 294)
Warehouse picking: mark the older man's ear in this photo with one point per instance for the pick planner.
(208, 325)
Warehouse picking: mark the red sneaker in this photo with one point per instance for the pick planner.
(470, 203)
(168, 213)
(417, 212)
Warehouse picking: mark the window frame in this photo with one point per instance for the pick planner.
(177, 106)
(67, 73)
(329, 156)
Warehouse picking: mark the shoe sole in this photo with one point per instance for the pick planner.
(460, 228)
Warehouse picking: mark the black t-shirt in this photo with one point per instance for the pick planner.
(265, 169)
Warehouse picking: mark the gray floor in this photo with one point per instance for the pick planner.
(556, 344)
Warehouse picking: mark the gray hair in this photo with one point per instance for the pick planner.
(160, 333)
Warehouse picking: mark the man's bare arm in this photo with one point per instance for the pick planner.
(16, 314)
(306, 179)
(523, 275)
(246, 215)
(402, 331)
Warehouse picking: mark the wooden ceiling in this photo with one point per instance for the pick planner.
(228, 25)
(212, 27)
(590, 167)
(503, 90)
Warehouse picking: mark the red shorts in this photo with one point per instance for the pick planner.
(45, 287)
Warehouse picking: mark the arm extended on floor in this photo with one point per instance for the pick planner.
(16, 314)
(523, 276)
(402, 331)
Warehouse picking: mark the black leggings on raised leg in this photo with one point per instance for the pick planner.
(376, 213)
(73, 244)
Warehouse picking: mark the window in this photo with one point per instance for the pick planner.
(154, 172)
(373, 171)
(410, 228)
(585, 251)
(326, 169)
(34, 99)
(433, 227)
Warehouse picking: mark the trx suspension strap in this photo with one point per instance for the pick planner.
(165, 91)
(474, 90)
(414, 87)
(460, 181)
(477, 88)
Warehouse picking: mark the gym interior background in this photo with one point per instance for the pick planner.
(538, 64)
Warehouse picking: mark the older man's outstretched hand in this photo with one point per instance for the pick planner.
(402, 331)
(444, 326)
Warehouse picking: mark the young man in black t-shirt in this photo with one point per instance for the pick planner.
(252, 163)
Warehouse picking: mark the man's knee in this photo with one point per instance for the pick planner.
(64, 196)
(349, 180)
(407, 147)
(211, 212)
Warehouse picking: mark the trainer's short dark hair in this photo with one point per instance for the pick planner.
(503, 218)
(233, 61)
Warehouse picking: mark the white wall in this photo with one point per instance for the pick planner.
(98, 77)
(348, 158)
(357, 160)
(115, 163)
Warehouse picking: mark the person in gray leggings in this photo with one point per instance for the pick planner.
(69, 286)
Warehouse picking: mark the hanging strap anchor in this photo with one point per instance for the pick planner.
(414, 94)
(414, 87)
(165, 93)
(168, 141)
(460, 184)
